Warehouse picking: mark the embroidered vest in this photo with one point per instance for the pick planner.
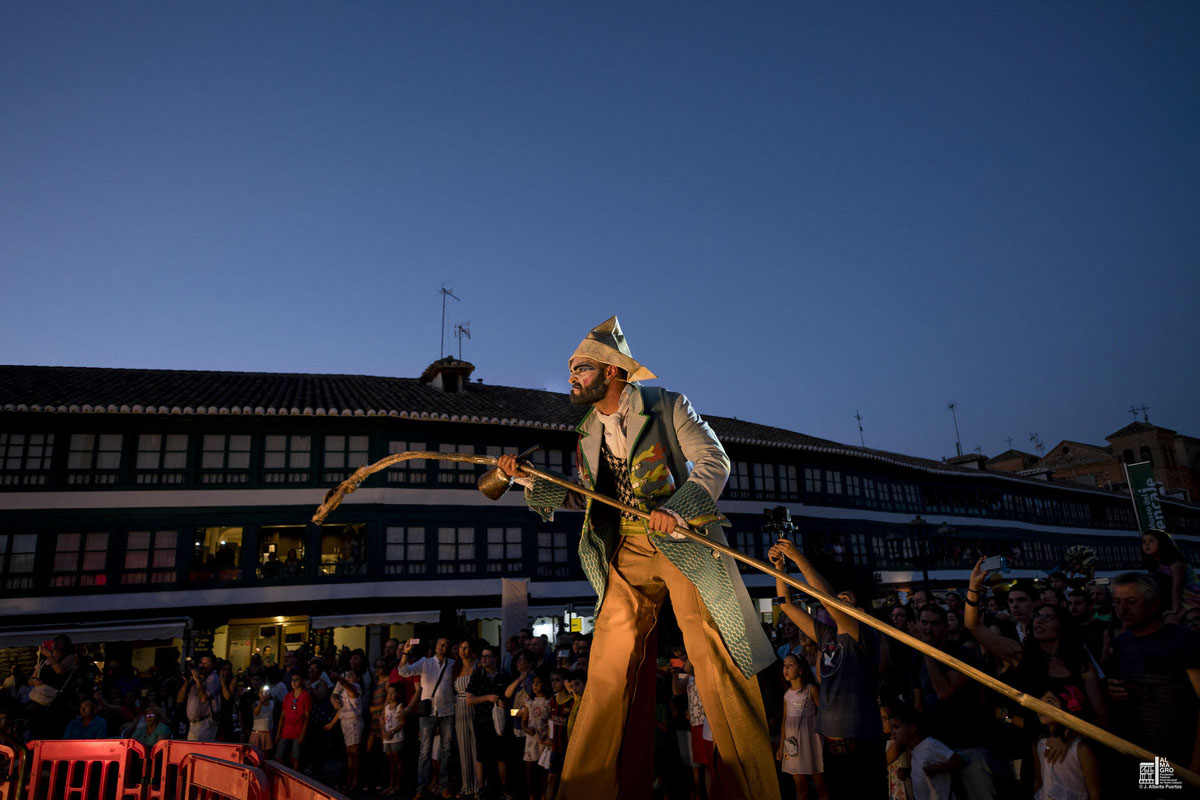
(621, 483)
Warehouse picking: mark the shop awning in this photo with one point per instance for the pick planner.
(145, 630)
(382, 618)
(533, 611)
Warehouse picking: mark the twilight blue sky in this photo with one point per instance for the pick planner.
(798, 209)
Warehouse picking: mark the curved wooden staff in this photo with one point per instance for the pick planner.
(334, 498)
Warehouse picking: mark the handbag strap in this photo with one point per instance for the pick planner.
(439, 681)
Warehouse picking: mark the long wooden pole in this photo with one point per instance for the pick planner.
(334, 498)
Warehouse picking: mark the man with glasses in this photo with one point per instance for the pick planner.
(648, 448)
(201, 692)
(485, 691)
(437, 686)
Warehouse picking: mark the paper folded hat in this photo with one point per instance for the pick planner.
(606, 344)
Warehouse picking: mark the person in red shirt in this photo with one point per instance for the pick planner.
(293, 723)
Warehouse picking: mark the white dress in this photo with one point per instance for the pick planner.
(1064, 780)
(538, 709)
(351, 718)
(800, 725)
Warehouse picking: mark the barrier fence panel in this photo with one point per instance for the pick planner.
(87, 769)
(162, 768)
(10, 768)
(207, 778)
(287, 784)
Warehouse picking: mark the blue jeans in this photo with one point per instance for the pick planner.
(431, 726)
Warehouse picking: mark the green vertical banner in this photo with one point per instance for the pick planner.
(1144, 490)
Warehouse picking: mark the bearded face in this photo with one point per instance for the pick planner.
(588, 385)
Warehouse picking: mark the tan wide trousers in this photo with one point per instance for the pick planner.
(611, 750)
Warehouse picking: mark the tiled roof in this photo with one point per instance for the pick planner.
(87, 390)
(1137, 427)
(137, 391)
(1009, 455)
(965, 458)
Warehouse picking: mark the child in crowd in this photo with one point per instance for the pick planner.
(349, 714)
(933, 762)
(899, 760)
(561, 704)
(799, 744)
(534, 718)
(393, 736)
(263, 718)
(576, 683)
(1077, 775)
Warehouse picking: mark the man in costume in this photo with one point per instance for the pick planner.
(635, 444)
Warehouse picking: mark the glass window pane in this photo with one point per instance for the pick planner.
(466, 552)
(446, 552)
(212, 460)
(136, 559)
(174, 460)
(65, 562)
(164, 558)
(239, 460)
(93, 561)
(274, 460)
(177, 441)
(300, 460)
(138, 540)
(68, 541)
(276, 442)
(165, 539)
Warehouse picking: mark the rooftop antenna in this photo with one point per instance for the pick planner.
(1037, 443)
(444, 292)
(462, 330)
(1009, 440)
(858, 417)
(957, 439)
(1145, 414)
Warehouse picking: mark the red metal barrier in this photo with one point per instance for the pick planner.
(86, 769)
(162, 769)
(11, 761)
(207, 778)
(287, 784)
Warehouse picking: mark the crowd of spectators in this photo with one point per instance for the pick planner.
(1122, 653)
(853, 713)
